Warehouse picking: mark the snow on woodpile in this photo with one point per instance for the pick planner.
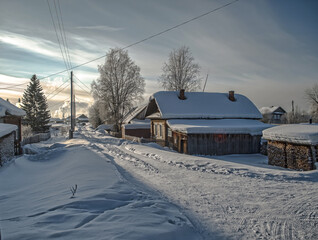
(205, 105)
(8, 108)
(218, 126)
(294, 133)
(6, 129)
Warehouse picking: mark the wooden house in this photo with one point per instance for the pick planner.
(135, 125)
(82, 118)
(11, 114)
(292, 146)
(205, 123)
(273, 114)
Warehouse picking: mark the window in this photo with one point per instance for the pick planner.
(276, 116)
(160, 130)
(155, 130)
(169, 132)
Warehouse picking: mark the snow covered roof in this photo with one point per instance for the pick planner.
(138, 124)
(7, 128)
(294, 133)
(218, 126)
(139, 110)
(82, 116)
(203, 105)
(7, 108)
(272, 109)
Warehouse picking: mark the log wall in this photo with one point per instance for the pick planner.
(222, 144)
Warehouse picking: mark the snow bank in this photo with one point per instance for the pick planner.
(106, 127)
(205, 105)
(226, 126)
(36, 203)
(294, 133)
(7, 128)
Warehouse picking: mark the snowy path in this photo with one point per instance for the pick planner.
(241, 198)
(35, 199)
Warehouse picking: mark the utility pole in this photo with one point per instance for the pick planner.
(205, 81)
(72, 106)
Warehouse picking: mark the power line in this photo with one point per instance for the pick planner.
(55, 89)
(12, 86)
(82, 88)
(81, 82)
(148, 38)
(57, 93)
(62, 32)
(58, 39)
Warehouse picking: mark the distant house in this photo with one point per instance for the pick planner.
(7, 141)
(11, 114)
(82, 119)
(135, 124)
(273, 114)
(205, 123)
(293, 146)
(56, 120)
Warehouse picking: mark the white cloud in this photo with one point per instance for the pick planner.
(32, 44)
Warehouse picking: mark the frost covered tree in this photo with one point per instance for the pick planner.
(180, 71)
(35, 105)
(94, 114)
(312, 96)
(119, 85)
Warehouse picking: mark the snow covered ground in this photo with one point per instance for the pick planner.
(36, 203)
(142, 191)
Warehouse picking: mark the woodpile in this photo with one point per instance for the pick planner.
(290, 155)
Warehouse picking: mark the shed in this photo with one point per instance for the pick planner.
(135, 125)
(11, 114)
(7, 140)
(292, 146)
(205, 123)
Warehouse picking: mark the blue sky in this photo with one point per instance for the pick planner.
(265, 49)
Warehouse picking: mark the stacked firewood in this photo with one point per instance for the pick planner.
(288, 155)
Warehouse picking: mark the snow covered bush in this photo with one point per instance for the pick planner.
(26, 131)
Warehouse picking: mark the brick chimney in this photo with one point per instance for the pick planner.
(181, 95)
(231, 96)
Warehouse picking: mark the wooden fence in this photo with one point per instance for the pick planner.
(36, 138)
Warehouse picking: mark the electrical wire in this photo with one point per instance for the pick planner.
(55, 89)
(82, 82)
(82, 88)
(62, 32)
(57, 93)
(58, 39)
(148, 38)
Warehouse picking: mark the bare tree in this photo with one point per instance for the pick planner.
(180, 71)
(119, 85)
(312, 97)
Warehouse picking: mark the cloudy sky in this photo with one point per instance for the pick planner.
(265, 49)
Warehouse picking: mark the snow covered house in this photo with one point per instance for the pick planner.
(293, 146)
(7, 141)
(273, 114)
(82, 119)
(205, 123)
(135, 125)
(11, 114)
